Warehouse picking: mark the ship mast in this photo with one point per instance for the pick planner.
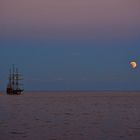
(17, 78)
(10, 78)
(13, 77)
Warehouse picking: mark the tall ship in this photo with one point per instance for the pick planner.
(14, 86)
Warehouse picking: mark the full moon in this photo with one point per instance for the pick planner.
(133, 64)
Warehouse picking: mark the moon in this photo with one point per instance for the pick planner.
(133, 64)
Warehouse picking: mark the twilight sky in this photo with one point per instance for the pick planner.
(71, 44)
(86, 19)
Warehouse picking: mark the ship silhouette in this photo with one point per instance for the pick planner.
(14, 87)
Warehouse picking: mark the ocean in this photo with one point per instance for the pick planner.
(70, 115)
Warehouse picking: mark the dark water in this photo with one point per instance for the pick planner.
(70, 116)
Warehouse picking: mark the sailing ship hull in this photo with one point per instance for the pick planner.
(10, 91)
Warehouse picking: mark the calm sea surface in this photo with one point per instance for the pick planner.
(70, 115)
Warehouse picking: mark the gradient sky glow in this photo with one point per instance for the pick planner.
(71, 44)
(70, 18)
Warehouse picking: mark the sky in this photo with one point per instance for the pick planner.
(71, 44)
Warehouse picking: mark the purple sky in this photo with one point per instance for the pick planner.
(70, 18)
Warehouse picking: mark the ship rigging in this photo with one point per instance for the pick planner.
(14, 86)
